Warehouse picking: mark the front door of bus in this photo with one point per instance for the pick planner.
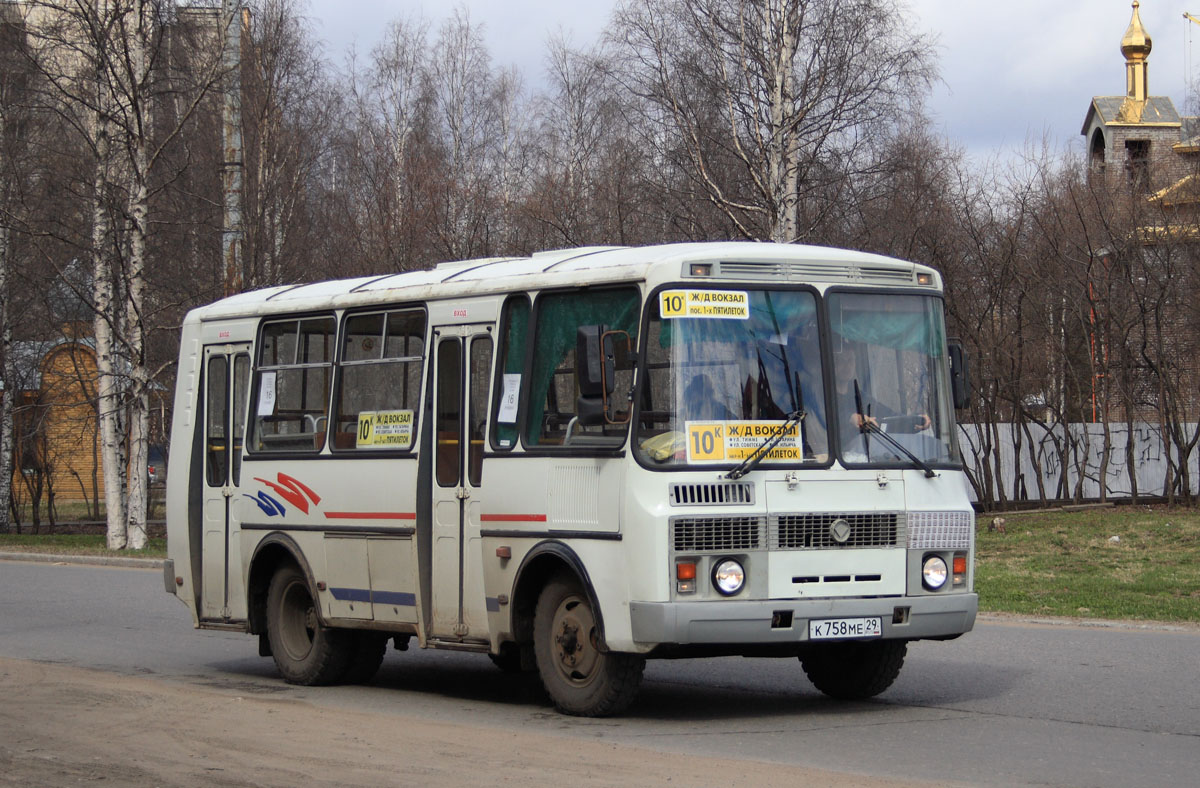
(226, 381)
(462, 373)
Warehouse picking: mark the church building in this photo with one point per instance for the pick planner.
(1141, 138)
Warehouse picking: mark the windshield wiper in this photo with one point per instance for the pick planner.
(889, 440)
(764, 448)
(868, 427)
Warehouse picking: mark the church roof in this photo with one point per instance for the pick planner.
(1185, 191)
(1158, 111)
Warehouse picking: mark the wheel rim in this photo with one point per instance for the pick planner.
(576, 655)
(297, 621)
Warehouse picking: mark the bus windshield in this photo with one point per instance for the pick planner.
(726, 368)
(890, 389)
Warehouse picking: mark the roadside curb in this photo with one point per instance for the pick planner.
(1087, 623)
(90, 560)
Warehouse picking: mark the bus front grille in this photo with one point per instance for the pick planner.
(716, 534)
(816, 530)
(941, 530)
(706, 494)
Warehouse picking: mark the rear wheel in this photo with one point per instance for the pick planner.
(579, 677)
(854, 670)
(305, 650)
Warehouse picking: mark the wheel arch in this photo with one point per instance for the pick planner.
(272, 552)
(546, 560)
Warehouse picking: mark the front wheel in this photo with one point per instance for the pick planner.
(854, 670)
(305, 650)
(580, 678)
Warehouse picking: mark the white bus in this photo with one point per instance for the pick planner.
(576, 461)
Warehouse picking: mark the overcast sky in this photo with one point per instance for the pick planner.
(1012, 71)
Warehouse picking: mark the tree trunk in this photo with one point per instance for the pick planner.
(9, 381)
(107, 389)
(139, 417)
(135, 326)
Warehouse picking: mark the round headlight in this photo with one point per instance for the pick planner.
(728, 577)
(934, 573)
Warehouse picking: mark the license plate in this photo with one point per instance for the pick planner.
(842, 628)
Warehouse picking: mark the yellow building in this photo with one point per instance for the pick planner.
(56, 453)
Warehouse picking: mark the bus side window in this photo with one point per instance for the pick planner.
(514, 342)
(379, 381)
(554, 385)
(292, 384)
(241, 384)
(216, 441)
(480, 366)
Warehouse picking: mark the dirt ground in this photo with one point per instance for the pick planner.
(65, 726)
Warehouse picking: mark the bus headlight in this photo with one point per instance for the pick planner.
(934, 572)
(728, 577)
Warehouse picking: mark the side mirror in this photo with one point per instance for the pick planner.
(960, 373)
(593, 367)
(601, 356)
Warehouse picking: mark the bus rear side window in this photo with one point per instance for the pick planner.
(379, 390)
(291, 383)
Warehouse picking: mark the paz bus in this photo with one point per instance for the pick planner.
(577, 461)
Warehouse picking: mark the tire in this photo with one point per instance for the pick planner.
(580, 679)
(305, 650)
(367, 650)
(854, 670)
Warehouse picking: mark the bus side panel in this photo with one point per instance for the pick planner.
(353, 518)
(572, 500)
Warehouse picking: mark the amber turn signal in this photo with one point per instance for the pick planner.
(685, 571)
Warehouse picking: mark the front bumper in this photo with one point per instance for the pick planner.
(728, 622)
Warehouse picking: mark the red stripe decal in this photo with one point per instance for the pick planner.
(371, 515)
(512, 518)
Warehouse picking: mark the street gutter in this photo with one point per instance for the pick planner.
(90, 560)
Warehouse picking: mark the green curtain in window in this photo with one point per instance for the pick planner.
(915, 325)
(559, 317)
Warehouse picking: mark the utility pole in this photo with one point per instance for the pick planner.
(232, 231)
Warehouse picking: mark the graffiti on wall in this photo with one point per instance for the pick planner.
(1077, 450)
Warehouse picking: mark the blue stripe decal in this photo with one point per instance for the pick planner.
(401, 598)
(351, 594)
(493, 604)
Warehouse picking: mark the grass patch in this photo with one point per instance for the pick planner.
(1065, 564)
(77, 544)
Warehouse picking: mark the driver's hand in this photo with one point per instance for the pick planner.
(859, 420)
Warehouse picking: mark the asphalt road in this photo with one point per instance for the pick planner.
(1010, 703)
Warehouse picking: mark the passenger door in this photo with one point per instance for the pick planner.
(462, 375)
(226, 383)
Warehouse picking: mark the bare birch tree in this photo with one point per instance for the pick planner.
(104, 63)
(771, 101)
(391, 100)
